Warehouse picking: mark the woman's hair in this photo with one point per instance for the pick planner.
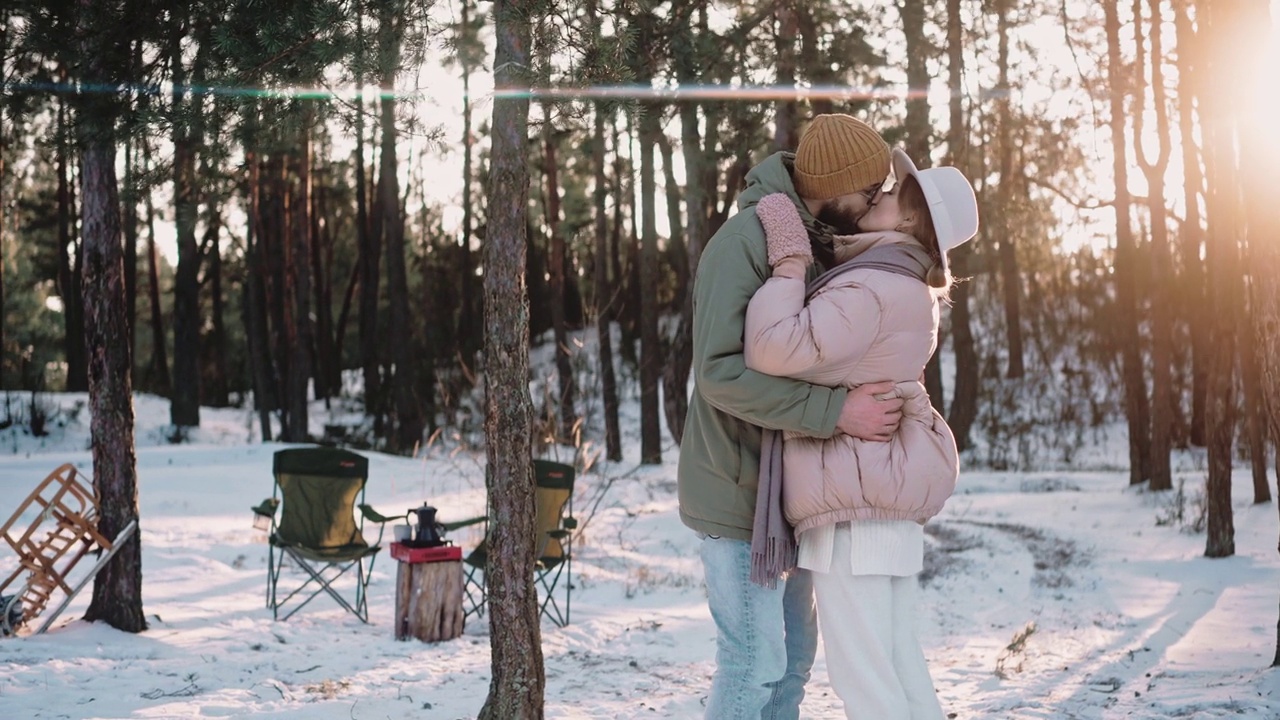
(911, 201)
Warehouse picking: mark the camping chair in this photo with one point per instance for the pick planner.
(316, 491)
(554, 545)
(64, 530)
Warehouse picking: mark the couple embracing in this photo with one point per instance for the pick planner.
(811, 457)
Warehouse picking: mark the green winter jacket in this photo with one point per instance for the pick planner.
(720, 449)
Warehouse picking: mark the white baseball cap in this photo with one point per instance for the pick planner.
(952, 203)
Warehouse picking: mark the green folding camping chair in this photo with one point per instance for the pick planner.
(554, 546)
(316, 492)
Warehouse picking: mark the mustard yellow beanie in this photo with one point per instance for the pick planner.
(839, 155)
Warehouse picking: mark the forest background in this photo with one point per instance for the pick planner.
(231, 202)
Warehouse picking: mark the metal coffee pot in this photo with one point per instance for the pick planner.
(427, 533)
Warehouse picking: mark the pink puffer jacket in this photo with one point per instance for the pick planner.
(865, 326)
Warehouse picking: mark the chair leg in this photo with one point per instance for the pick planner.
(549, 580)
(324, 584)
(474, 587)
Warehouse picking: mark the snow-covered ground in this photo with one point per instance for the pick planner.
(1129, 619)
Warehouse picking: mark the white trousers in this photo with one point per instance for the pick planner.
(874, 659)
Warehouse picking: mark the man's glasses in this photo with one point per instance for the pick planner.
(872, 194)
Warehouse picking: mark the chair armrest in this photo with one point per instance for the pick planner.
(464, 523)
(266, 507)
(375, 516)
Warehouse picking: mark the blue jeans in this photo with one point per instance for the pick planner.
(765, 639)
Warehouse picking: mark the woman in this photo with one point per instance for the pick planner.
(858, 507)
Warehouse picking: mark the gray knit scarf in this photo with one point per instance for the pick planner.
(773, 540)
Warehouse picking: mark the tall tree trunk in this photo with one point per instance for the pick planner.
(129, 225)
(786, 133)
(964, 400)
(1261, 197)
(919, 141)
(408, 432)
(1192, 286)
(328, 381)
(1255, 412)
(255, 303)
(370, 245)
(696, 167)
(518, 681)
(624, 197)
(4, 147)
(469, 332)
(679, 351)
(1125, 264)
(184, 407)
(604, 293)
(273, 254)
(1220, 24)
(69, 252)
(1010, 280)
(1162, 405)
(297, 296)
(218, 389)
(158, 375)
(814, 58)
(650, 351)
(117, 588)
(630, 306)
(564, 368)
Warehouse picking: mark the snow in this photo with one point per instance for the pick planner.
(1129, 619)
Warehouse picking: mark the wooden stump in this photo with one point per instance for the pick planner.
(429, 601)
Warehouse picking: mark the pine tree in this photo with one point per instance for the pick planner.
(518, 679)
(117, 588)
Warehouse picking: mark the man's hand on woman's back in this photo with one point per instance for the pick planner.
(867, 417)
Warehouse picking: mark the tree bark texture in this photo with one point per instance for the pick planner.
(964, 399)
(919, 142)
(184, 406)
(1010, 280)
(158, 373)
(217, 388)
(1135, 389)
(117, 588)
(129, 226)
(1192, 285)
(1162, 405)
(469, 334)
(679, 349)
(1220, 24)
(604, 295)
(650, 352)
(566, 397)
(69, 267)
(255, 304)
(328, 380)
(297, 295)
(409, 421)
(518, 681)
(370, 266)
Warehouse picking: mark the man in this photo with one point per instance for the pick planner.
(767, 637)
